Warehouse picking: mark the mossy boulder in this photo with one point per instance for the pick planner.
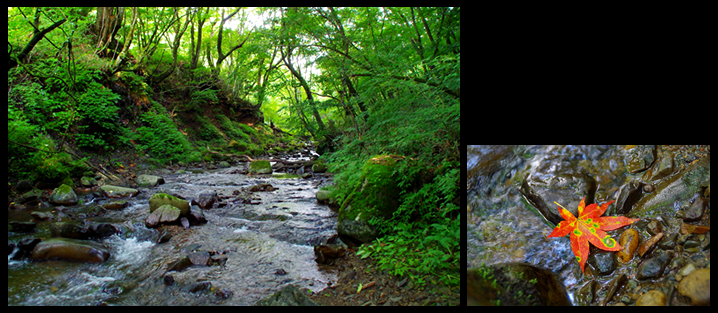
(319, 167)
(64, 195)
(159, 199)
(377, 195)
(325, 196)
(260, 167)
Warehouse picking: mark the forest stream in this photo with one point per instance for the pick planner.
(258, 247)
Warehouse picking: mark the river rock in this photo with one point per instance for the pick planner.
(288, 296)
(260, 167)
(207, 199)
(63, 195)
(70, 249)
(28, 196)
(511, 283)
(628, 195)
(614, 286)
(695, 211)
(261, 187)
(115, 205)
(196, 216)
(640, 159)
(323, 195)
(200, 258)
(629, 243)
(24, 186)
(652, 298)
(88, 181)
(23, 227)
(159, 199)
(164, 214)
(149, 181)
(118, 192)
(697, 287)
(42, 216)
(179, 265)
(653, 267)
(327, 253)
(664, 167)
(197, 287)
(101, 230)
(546, 185)
(603, 262)
(69, 230)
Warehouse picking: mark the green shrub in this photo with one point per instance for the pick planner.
(161, 138)
(98, 112)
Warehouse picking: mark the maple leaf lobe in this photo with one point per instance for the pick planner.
(589, 227)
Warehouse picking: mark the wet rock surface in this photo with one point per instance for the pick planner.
(70, 249)
(510, 194)
(510, 284)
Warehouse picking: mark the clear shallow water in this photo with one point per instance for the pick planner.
(258, 241)
(503, 227)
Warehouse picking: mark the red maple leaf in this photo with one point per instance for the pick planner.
(589, 227)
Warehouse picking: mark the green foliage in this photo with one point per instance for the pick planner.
(161, 138)
(98, 112)
(233, 130)
(31, 153)
(420, 250)
(201, 99)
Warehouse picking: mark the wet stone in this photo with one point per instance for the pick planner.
(652, 298)
(653, 267)
(697, 287)
(629, 243)
(200, 258)
(640, 159)
(695, 211)
(603, 263)
(664, 167)
(197, 287)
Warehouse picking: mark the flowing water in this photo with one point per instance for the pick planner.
(267, 245)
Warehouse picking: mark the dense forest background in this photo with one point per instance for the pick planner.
(114, 88)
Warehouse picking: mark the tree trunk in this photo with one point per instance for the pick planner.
(108, 23)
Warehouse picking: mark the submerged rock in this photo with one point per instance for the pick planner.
(70, 249)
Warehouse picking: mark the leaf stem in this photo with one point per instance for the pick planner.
(559, 205)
